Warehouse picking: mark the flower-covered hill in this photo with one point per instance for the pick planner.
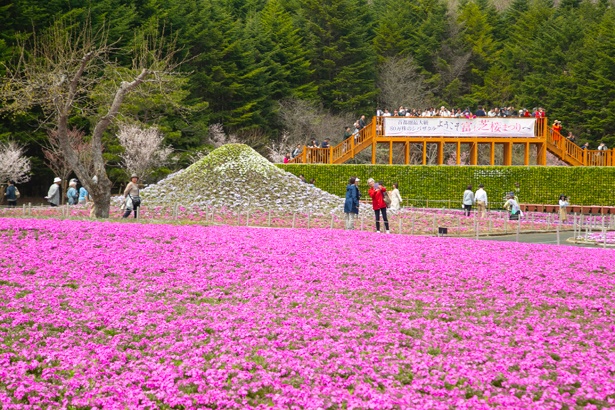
(235, 176)
(115, 316)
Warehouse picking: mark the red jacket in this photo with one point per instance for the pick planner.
(377, 201)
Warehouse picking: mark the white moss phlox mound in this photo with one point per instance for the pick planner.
(235, 176)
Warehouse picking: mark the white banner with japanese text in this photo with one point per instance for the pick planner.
(459, 127)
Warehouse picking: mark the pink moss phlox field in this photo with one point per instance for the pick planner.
(114, 316)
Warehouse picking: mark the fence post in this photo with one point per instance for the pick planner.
(309, 215)
(30, 208)
(176, 211)
(604, 237)
(248, 218)
(331, 221)
(490, 224)
(269, 219)
(400, 229)
(476, 227)
(24, 209)
(362, 218)
(435, 225)
(294, 216)
(559, 222)
(458, 226)
(412, 225)
(518, 228)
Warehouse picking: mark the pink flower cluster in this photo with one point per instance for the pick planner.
(120, 315)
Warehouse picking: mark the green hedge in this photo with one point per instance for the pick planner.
(539, 184)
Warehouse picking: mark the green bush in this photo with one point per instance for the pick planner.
(538, 184)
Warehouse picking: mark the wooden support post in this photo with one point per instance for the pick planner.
(374, 152)
(330, 155)
(440, 153)
(541, 158)
(508, 153)
(492, 154)
(474, 153)
(526, 154)
(424, 152)
(458, 153)
(390, 152)
(407, 154)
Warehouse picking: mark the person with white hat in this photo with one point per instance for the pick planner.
(53, 196)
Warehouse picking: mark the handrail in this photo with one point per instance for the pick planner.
(572, 153)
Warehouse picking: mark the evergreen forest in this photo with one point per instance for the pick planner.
(247, 63)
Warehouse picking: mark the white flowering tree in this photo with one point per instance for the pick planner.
(14, 165)
(144, 149)
(71, 72)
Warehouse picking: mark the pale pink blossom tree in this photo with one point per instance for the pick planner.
(144, 149)
(14, 165)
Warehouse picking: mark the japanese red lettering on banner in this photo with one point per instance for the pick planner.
(460, 127)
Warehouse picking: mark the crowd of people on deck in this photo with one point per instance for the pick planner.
(537, 112)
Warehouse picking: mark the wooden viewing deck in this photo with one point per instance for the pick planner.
(540, 140)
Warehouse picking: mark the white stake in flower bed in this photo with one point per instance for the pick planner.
(518, 228)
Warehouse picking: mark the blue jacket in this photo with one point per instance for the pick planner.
(352, 199)
(72, 196)
(10, 193)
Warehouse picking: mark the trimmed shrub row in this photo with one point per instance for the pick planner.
(538, 184)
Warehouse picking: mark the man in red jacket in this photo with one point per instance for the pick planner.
(375, 192)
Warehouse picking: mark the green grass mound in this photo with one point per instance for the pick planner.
(236, 177)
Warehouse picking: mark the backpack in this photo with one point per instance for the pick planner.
(386, 198)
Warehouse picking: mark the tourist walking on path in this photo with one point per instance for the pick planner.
(53, 195)
(512, 206)
(83, 196)
(395, 198)
(72, 194)
(480, 197)
(131, 196)
(378, 204)
(351, 205)
(468, 200)
(563, 208)
(11, 194)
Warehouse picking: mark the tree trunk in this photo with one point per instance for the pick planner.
(101, 196)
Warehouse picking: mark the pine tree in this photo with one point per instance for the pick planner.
(281, 51)
(341, 54)
(414, 29)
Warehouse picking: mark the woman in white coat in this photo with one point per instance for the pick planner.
(395, 199)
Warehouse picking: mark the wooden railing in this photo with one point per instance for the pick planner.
(338, 154)
(572, 154)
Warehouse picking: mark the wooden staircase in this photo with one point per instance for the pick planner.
(342, 152)
(572, 154)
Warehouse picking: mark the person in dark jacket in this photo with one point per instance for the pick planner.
(11, 194)
(378, 204)
(351, 205)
